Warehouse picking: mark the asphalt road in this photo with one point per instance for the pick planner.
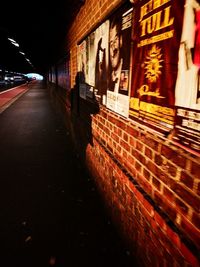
(50, 211)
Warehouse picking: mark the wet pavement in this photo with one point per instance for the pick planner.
(50, 211)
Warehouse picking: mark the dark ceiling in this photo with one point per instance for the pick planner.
(39, 27)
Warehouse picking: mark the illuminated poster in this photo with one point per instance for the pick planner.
(85, 90)
(93, 64)
(119, 62)
(187, 126)
(156, 39)
(100, 61)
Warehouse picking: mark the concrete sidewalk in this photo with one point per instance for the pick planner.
(50, 211)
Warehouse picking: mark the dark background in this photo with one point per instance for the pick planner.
(39, 27)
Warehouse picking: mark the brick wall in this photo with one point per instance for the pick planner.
(153, 183)
(150, 185)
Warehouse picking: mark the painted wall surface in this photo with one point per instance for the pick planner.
(140, 139)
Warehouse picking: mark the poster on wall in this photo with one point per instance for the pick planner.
(99, 73)
(119, 62)
(187, 127)
(82, 67)
(187, 92)
(63, 73)
(86, 68)
(104, 62)
(93, 64)
(156, 37)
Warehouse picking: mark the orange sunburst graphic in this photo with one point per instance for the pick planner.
(153, 64)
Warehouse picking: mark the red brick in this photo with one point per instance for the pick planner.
(156, 183)
(165, 205)
(172, 170)
(152, 167)
(173, 236)
(186, 179)
(139, 146)
(148, 206)
(189, 256)
(119, 132)
(148, 152)
(121, 124)
(146, 174)
(158, 198)
(104, 7)
(132, 131)
(163, 176)
(172, 155)
(131, 160)
(148, 188)
(168, 194)
(149, 142)
(125, 155)
(138, 156)
(158, 159)
(132, 142)
(139, 196)
(125, 145)
(195, 169)
(198, 189)
(138, 166)
(187, 196)
(111, 119)
(115, 137)
(190, 230)
(182, 207)
(169, 210)
(125, 137)
(196, 220)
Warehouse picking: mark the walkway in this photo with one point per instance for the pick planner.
(50, 211)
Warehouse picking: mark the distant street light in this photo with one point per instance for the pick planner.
(22, 53)
(13, 42)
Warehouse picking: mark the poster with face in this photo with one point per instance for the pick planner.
(156, 38)
(93, 63)
(119, 61)
(101, 61)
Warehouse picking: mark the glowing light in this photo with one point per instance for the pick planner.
(15, 44)
(35, 76)
(12, 40)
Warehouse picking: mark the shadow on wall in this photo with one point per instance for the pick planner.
(81, 116)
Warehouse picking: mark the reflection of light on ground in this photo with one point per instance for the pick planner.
(35, 76)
